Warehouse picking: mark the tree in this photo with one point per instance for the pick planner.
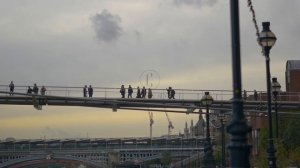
(166, 158)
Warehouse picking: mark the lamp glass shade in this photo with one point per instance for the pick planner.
(207, 100)
(276, 86)
(267, 39)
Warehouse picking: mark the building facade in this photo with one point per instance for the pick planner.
(292, 76)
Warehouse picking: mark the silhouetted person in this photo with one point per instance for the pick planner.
(130, 91)
(245, 95)
(43, 90)
(35, 89)
(138, 93)
(255, 95)
(143, 92)
(29, 90)
(11, 88)
(172, 96)
(150, 93)
(91, 91)
(122, 91)
(169, 92)
(84, 91)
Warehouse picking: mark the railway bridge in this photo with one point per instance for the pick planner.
(97, 152)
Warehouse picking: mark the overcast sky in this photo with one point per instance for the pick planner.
(112, 42)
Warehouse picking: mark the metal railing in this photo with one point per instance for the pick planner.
(181, 94)
(111, 92)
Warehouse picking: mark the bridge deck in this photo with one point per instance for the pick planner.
(189, 105)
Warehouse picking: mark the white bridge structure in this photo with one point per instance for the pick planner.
(105, 152)
(187, 100)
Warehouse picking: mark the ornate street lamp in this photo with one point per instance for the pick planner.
(275, 90)
(208, 162)
(267, 39)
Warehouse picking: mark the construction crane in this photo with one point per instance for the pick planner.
(170, 126)
(151, 122)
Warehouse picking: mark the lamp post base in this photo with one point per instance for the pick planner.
(209, 160)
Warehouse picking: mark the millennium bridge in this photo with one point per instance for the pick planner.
(106, 152)
(187, 100)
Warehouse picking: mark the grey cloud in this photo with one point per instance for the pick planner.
(195, 2)
(107, 26)
(138, 35)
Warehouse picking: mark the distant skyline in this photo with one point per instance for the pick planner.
(110, 43)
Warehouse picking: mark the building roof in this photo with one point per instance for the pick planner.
(292, 65)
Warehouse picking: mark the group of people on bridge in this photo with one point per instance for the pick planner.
(142, 93)
(88, 91)
(34, 90)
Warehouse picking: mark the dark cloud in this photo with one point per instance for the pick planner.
(107, 26)
(195, 2)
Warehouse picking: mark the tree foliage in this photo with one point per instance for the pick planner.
(287, 145)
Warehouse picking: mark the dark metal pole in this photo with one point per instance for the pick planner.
(238, 128)
(276, 114)
(207, 123)
(208, 152)
(271, 150)
(223, 145)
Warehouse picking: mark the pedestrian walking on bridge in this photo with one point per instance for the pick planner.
(29, 90)
(172, 96)
(122, 91)
(130, 91)
(35, 89)
(144, 92)
(169, 92)
(138, 93)
(255, 95)
(84, 91)
(43, 90)
(91, 91)
(11, 88)
(150, 95)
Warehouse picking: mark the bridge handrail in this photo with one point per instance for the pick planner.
(113, 92)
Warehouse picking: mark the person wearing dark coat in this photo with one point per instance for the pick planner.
(150, 93)
(91, 91)
(255, 95)
(172, 94)
(130, 91)
(84, 91)
(11, 88)
(144, 92)
(29, 90)
(122, 91)
(35, 89)
(138, 93)
(169, 92)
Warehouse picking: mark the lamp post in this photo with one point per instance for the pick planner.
(238, 128)
(208, 162)
(222, 121)
(275, 90)
(267, 39)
